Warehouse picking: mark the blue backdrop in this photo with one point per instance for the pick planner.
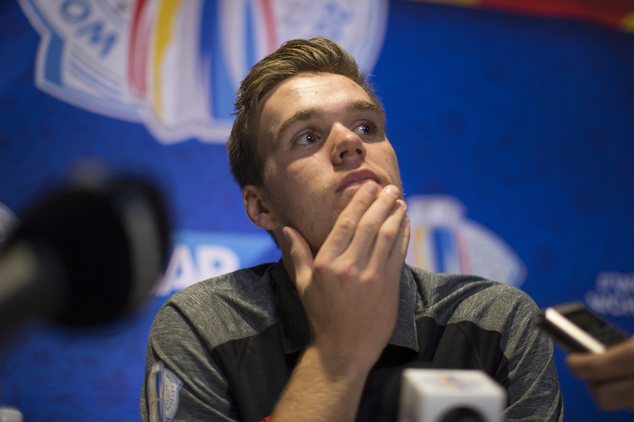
(512, 135)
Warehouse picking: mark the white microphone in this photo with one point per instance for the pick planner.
(448, 395)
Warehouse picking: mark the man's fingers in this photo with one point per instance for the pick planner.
(381, 220)
(615, 362)
(400, 248)
(389, 239)
(346, 224)
(407, 231)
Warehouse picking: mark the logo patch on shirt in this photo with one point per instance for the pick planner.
(162, 393)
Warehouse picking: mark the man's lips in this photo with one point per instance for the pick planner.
(357, 178)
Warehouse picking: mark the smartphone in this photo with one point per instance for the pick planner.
(577, 329)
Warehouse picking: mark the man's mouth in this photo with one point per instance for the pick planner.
(357, 178)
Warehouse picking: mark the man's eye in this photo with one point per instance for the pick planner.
(365, 129)
(308, 138)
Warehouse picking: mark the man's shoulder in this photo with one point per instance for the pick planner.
(465, 284)
(455, 297)
(247, 283)
(227, 307)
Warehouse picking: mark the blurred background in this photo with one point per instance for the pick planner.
(511, 120)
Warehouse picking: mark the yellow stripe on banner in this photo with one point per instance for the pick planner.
(627, 22)
(164, 33)
(420, 247)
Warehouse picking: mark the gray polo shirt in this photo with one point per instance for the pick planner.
(224, 348)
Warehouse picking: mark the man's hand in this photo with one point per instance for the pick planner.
(610, 375)
(350, 291)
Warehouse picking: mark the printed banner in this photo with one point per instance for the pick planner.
(174, 65)
(512, 131)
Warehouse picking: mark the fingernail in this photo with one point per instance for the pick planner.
(286, 234)
(391, 189)
(371, 187)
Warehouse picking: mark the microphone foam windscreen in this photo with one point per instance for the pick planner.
(93, 230)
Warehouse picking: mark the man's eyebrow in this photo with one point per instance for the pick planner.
(299, 116)
(363, 105)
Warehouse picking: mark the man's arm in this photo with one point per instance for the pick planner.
(350, 292)
(181, 381)
(610, 375)
(532, 382)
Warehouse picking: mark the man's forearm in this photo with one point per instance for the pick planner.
(350, 291)
(322, 389)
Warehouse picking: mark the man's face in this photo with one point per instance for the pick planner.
(321, 137)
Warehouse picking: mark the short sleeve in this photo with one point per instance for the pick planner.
(182, 381)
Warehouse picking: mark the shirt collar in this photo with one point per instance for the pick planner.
(295, 327)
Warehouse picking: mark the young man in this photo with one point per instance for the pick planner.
(317, 335)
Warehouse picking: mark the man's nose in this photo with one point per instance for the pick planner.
(348, 146)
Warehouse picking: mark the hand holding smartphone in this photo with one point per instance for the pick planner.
(600, 353)
(577, 329)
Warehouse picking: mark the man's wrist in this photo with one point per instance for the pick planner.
(324, 386)
(338, 363)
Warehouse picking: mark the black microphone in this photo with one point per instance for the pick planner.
(84, 255)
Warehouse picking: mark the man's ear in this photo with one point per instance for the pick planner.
(256, 206)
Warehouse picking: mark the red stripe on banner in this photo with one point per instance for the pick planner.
(605, 12)
(269, 24)
(463, 258)
(617, 14)
(137, 51)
